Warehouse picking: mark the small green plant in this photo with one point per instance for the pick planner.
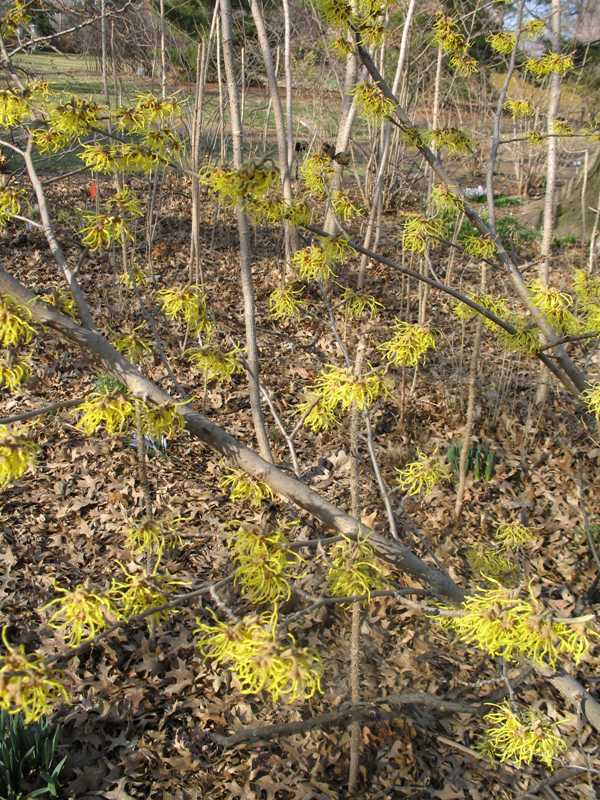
(480, 460)
(29, 761)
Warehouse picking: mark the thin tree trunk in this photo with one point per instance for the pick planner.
(163, 52)
(551, 165)
(244, 235)
(287, 69)
(280, 126)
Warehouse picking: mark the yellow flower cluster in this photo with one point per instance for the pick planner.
(521, 738)
(128, 158)
(561, 127)
(214, 364)
(317, 261)
(14, 326)
(260, 663)
(591, 396)
(555, 306)
(62, 301)
(17, 455)
(519, 108)
(14, 108)
(549, 64)
(447, 36)
(492, 563)
(359, 304)
(500, 622)
(136, 592)
(336, 391)
(186, 303)
(419, 231)
(408, 345)
(10, 204)
(80, 614)
(343, 207)
(75, 117)
(14, 17)
(444, 200)
(49, 140)
(264, 563)
(526, 338)
(453, 139)
(422, 475)
(502, 42)
(285, 303)
(315, 171)
(160, 421)
(108, 408)
(355, 569)
(513, 534)
(27, 685)
(13, 370)
(147, 110)
(250, 186)
(153, 537)
(372, 103)
(103, 230)
(133, 345)
(479, 247)
(587, 291)
(244, 489)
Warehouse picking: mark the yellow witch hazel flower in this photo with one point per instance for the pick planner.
(521, 738)
(10, 204)
(422, 475)
(315, 171)
(216, 365)
(548, 64)
(260, 663)
(455, 140)
(27, 685)
(264, 564)
(61, 300)
(408, 345)
(501, 623)
(14, 326)
(153, 537)
(285, 303)
(480, 247)
(185, 303)
(136, 592)
(242, 488)
(444, 200)
(133, 345)
(561, 127)
(525, 340)
(355, 569)
(80, 614)
(343, 207)
(17, 455)
(502, 42)
(519, 108)
(492, 563)
(133, 277)
(161, 421)
(335, 391)
(587, 290)
(555, 305)
(419, 231)
(14, 108)
(513, 534)
(317, 261)
(127, 202)
(359, 304)
(103, 230)
(13, 370)
(49, 141)
(372, 103)
(591, 397)
(75, 117)
(108, 408)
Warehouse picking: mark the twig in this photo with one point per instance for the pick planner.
(344, 715)
(38, 412)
